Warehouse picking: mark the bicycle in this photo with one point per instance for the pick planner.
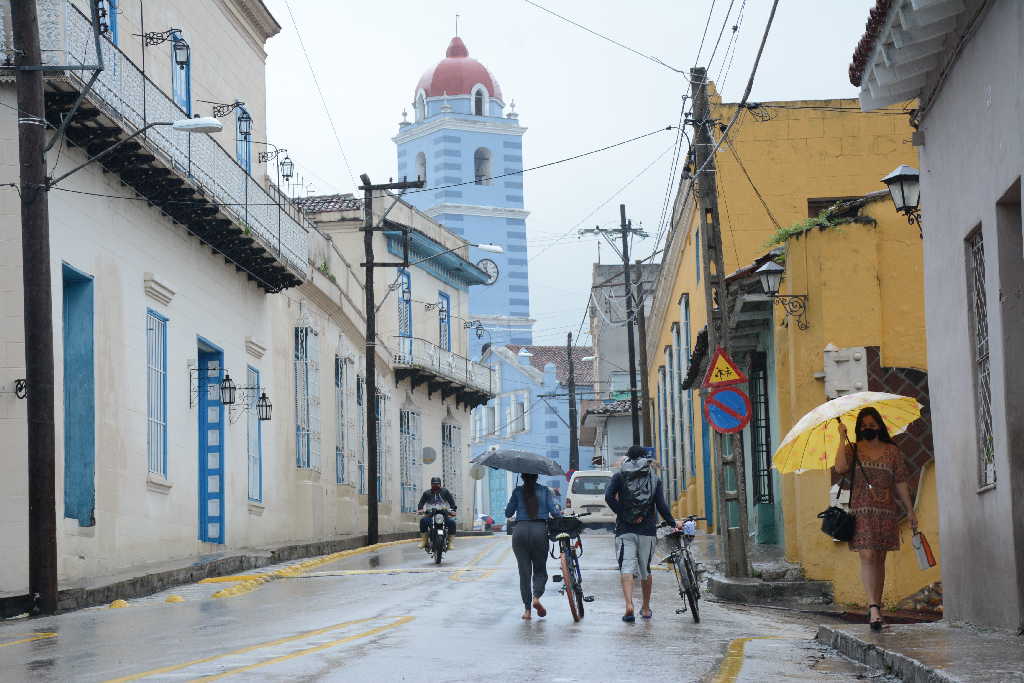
(684, 568)
(564, 531)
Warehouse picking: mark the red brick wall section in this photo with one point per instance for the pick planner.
(916, 443)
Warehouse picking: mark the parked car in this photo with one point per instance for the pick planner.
(586, 494)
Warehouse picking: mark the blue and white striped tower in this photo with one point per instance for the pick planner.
(462, 142)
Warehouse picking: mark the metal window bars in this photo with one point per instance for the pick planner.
(978, 314)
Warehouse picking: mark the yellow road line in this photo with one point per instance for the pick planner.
(271, 643)
(310, 650)
(30, 638)
(471, 566)
(234, 578)
(730, 668)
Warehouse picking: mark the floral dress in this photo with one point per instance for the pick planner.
(874, 506)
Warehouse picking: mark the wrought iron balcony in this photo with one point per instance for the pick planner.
(421, 362)
(189, 176)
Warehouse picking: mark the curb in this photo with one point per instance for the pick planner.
(903, 667)
(71, 599)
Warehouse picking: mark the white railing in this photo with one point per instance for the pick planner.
(419, 353)
(124, 94)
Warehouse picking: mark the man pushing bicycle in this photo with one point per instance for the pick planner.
(635, 494)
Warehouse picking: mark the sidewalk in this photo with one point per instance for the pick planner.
(931, 653)
(142, 580)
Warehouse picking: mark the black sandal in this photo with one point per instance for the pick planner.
(875, 625)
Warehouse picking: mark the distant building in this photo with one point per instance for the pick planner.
(959, 63)
(470, 153)
(530, 413)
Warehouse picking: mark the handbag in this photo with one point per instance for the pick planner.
(835, 521)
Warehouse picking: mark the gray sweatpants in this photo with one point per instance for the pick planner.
(530, 544)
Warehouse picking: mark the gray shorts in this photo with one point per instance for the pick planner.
(635, 552)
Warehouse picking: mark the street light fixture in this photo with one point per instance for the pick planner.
(904, 185)
(263, 407)
(227, 390)
(286, 167)
(793, 304)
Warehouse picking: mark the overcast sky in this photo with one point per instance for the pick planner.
(574, 91)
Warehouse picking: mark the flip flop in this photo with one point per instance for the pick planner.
(541, 612)
(650, 613)
(628, 618)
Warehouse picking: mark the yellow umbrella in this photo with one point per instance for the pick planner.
(813, 441)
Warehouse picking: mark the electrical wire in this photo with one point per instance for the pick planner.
(703, 37)
(757, 192)
(323, 100)
(730, 49)
(721, 32)
(604, 37)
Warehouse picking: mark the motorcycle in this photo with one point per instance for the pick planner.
(437, 531)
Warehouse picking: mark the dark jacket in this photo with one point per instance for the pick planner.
(649, 527)
(429, 496)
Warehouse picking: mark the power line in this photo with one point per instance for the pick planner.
(705, 35)
(721, 32)
(604, 37)
(323, 100)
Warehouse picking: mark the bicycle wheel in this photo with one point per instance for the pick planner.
(577, 581)
(693, 593)
(681, 578)
(569, 583)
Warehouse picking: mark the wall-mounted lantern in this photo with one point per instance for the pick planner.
(794, 305)
(227, 390)
(904, 185)
(263, 407)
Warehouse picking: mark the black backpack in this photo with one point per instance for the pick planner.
(637, 495)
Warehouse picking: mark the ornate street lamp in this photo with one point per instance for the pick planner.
(263, 407)
(905, 190)
(286, 167)
(793, 304)
(244, 124)
(227, 390)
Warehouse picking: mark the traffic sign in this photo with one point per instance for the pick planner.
(722, 372)
(727, 410)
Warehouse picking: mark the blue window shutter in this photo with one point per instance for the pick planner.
(445, 321)
(243, 144)
(181, 80)
(112, 20)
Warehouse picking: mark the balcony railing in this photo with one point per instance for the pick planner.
(125, 95)
(415, 353)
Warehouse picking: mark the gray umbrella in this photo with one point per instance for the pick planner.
(523, 462)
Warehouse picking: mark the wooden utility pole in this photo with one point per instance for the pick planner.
(35, 249)
(626, 228)
(732, 502)
(641, 328)
(372, 455)
(574, 443)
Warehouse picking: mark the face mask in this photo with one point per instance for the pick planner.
(869, 434)
(435, 487)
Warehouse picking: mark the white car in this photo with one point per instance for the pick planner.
(586, 495)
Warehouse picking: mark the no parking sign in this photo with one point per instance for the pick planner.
(727, 410)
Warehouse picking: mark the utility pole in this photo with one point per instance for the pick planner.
(626, 227)
(35, 250)
(732, 500)
(372, 532)
(641, 327)
(574, 443)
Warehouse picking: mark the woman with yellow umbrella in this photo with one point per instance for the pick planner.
(878, 473)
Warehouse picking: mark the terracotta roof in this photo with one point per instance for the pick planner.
(542, 355)
(457, 73)
(876, 20)
(613, 408)
(328, 202)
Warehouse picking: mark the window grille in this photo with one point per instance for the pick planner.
(687, 394)
(444, 321)
(977, 300)
(673, 423)
(254, 438)
(408, 454)
(451, 448)
(307, 398)
(760, 430)
(482, 166)
(361, 431)
(156, 392)
(340, 414)
(383, 447)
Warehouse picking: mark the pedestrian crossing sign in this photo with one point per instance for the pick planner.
(722, 372)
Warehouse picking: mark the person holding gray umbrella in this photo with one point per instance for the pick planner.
(532, 504)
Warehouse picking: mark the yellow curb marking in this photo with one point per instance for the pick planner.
(117, 604)
(730, 668)
(30, 638)
(280, 641)
(246, 583)
(174, 598)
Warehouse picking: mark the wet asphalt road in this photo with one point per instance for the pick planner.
(392, 615)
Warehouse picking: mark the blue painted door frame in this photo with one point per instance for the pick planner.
(211, 444)
(705, 440)
(79, 398)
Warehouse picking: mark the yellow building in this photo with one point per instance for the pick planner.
(783, 163)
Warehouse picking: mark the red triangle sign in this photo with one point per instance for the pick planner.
(722, 372)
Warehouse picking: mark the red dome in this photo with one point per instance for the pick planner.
(457, 73)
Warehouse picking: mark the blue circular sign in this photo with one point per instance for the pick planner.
(727, 410)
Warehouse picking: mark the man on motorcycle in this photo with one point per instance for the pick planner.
(436, 495)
